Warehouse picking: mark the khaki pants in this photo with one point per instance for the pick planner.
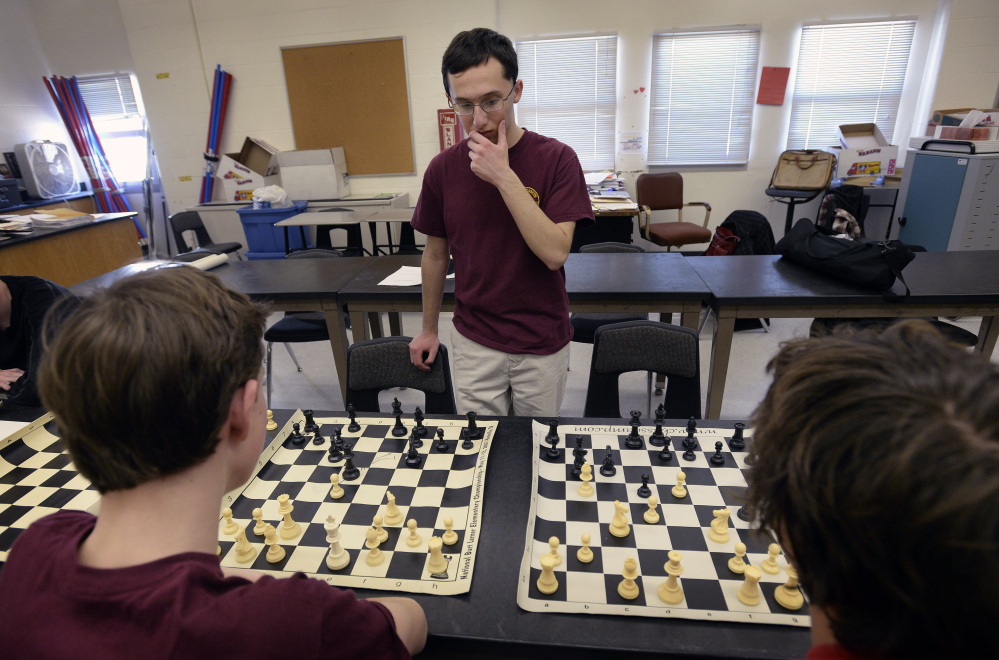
(492, 382)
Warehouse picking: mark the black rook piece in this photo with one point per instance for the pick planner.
(471, 431)
(634, 441)
(296, 436)
(554, 453)
(349, 471)
(738, 442)
(718, 458)
(354, 427)
(580, 455)
(421, 430)
(310, 423)
(644, 491)
(398, 430)
(608, 469)
(441, 445)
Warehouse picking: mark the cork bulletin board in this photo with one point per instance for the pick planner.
(352, 95)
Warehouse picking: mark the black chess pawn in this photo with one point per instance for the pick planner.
(317, 439)
(414, 437)
(296, 436)
(737, 441)
(644, 491)
(666, 455)
(553, 453)
(441, 445)
(717, 458)
(413, 458)
(349, 471)
(353, 427)
(689, 455)
(744, 513)
(310, 423)
(418, 417)
(334, 455)
(399, 429)
(634, 440)
(471, 430)
(608, 469)
(580, 457)
(658, 438)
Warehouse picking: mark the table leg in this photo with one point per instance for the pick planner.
(395, 324)
(375, 323)
(359, 326)
(374, 239)
(721, 349)
(988, 332)
(287, 242)
(338, 341)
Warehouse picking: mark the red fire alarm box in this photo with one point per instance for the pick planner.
(448, 128)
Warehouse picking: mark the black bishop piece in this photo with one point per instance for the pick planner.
(580, 457)
(353, 427)
(418, 417)
(398, 430)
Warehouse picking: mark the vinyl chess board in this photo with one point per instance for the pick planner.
(446, 484)
(37, 478)
(709, 587)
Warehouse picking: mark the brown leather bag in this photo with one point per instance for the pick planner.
(804, 169)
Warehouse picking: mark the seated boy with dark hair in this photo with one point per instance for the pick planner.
(156, 387)
(876, 461)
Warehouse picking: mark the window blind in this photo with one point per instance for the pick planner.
(848, 74)
(108, 97)
(702, 97)
(570, 94)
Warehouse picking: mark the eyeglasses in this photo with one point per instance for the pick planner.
(489, 105)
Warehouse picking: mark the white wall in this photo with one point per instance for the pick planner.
(969, 68)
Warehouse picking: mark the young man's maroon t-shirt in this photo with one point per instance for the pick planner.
(506, 298)
(177, 607)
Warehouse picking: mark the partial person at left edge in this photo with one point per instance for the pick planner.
(24, 302)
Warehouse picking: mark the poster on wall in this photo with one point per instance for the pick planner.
(447, 128)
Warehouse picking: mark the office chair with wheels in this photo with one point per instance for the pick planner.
(379, 364)
(658, 192)
(191, 221)
(298, 327)
(645, 346)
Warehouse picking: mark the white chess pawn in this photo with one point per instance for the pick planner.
(553, 545)
(271, 424)
(584, 554)
(652, 516)
(770, 565)
(547, 582)
(275, 552)
(450, 537)
(628, 588)
(670, 591)
(719, 526)
(749, 592)
(245, 552)
(680, 490)
(586, 488)
(337, 557)
(737, 564)
(414, 540)
(336, 492)
(375, 555)
(619, 526)
(788, 595)
(261, 526)
(379, 529)
(230, 527)
(289, 528)
(438, 562)
(393, 515)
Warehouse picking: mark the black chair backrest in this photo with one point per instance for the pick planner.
(313, 253)
(645, 346)
(188, 221)
(611, 246)
(378, 364)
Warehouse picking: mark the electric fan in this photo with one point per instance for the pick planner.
(47, 169)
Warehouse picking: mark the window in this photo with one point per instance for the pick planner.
(570, 94)
(848, 74)
(702, 97)
(114, 110)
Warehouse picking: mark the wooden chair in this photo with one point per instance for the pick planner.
(379, 364)
(659, 192)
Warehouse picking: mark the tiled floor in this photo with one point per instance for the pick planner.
(315, 387)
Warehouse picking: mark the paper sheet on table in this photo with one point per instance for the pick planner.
(593, 178)
(406, 276)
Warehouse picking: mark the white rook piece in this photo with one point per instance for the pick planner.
(749, 592)
(547, 582)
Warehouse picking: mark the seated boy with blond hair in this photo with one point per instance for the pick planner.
(155, 384)
(875, 459)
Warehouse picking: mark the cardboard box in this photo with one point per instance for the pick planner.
(255, 166)
(958, 133)
(954, 117)
(314, 173)
(863, 150)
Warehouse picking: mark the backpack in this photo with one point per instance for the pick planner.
(753, 230)
(843, 211)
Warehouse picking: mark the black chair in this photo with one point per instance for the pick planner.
(645, 346)
(379, 364)
(191, 221)
(298, 327)
(584, 325)
(792, 198)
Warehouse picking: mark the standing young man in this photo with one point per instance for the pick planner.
(504, 203)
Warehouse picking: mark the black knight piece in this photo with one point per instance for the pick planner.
(737, 442)
(296, 436)
(553, 453)
(717, 458)
(441, 445)
(608, 469)
(418, 417)
(398, 430)
(471, 430)
(310, 423)
(634, 440)
(644, 491)
(658, 439)
(580, 457)
(353, 427)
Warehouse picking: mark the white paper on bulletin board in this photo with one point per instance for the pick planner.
(632, 143)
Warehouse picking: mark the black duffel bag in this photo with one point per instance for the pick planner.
(872, 265)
